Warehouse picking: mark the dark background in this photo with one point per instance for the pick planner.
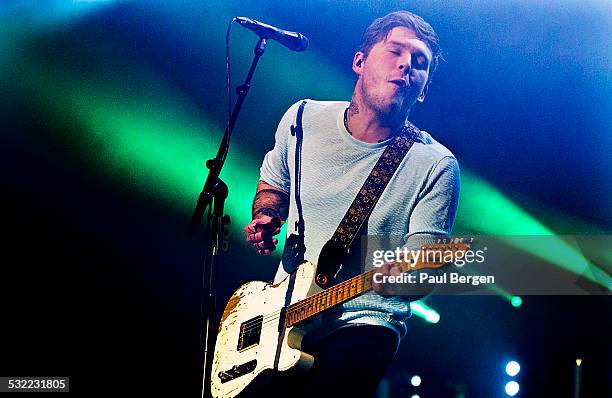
(100, 280)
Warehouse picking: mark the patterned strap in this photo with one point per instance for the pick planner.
(374, 185)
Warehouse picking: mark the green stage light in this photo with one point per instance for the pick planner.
(484, 209)
(130, 125)
(516, 301)
(422, 310)
(146, 135)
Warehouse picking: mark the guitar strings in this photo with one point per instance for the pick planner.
(355, 283)
(270, 322)
(303, 304)
(358, 282)
(272, 318)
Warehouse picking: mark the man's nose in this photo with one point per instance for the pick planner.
(405, 63)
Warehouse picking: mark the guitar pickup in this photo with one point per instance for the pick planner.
(250, 333)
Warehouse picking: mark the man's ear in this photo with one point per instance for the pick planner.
(358, 62)
(423, 93)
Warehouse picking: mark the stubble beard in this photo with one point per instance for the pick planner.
(390, 113)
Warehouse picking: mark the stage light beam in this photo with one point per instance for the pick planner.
(422, 310)
(132, 130)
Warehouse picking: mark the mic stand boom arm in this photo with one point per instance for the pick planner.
(213, 195)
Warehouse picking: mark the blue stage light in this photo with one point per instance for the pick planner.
(513, 368)
(512, 388)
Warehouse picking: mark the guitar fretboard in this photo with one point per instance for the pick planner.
(357, 285)
(338, 294)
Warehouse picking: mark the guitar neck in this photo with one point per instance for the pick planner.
(434, 256)
(340, 293)
(319, 302)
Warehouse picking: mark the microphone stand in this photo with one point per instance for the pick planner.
(212, 198)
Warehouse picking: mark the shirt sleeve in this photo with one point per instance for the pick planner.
(434, 213)
(275, 167)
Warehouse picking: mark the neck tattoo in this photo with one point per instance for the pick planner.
(346, 124)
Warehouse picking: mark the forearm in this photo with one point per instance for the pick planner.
(270, 201)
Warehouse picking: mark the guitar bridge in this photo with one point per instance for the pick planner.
(237, 371)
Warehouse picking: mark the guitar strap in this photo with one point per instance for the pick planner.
(293, 254)
(334, 251)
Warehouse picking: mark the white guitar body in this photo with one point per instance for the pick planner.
(240, 355)
(254, 340)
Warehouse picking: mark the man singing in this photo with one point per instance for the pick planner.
(342, 142)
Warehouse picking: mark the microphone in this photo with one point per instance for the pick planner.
(292, 40)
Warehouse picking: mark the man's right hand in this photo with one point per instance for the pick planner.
(259, 233)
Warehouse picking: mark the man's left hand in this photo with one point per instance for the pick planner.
(387, 289)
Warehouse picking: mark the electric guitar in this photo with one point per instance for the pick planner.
(260, 335)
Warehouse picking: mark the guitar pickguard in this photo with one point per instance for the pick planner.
(249, 337)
